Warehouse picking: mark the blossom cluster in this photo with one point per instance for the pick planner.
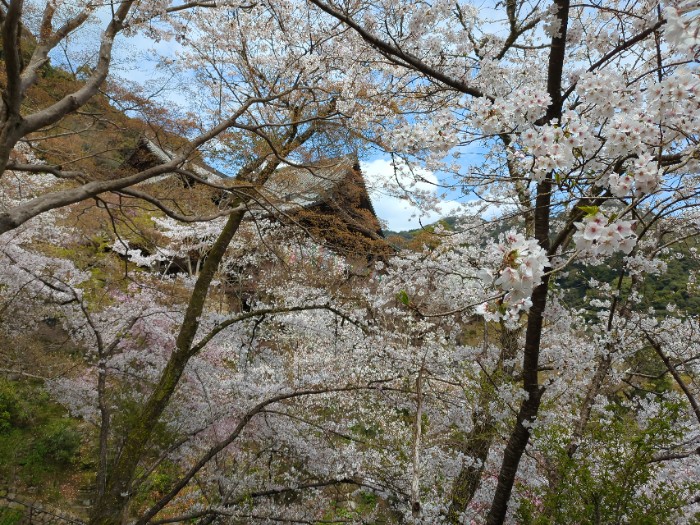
(645, 177)
(522, 268)
(136, 255)
(556, 147)
(683, 26)
(522, 107)
(597, 235)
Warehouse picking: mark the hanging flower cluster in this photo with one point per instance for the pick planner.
(683, 25)
(597, 235)
(556, 147)
(645, 176)
(521, 271)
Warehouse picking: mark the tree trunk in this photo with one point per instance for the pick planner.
(476, 447)
(530, 406)
(9, 136)
(111, 506)
(520, 436)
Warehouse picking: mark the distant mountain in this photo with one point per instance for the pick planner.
(671, 287)
(447, 222)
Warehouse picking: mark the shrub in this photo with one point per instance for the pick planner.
(58, 444)
(10, 406)
(10, 516)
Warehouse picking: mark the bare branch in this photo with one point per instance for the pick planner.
(11, 30)
(73, 101)
(14, 217)
(130, 192)
(674, 373)
(395, 53)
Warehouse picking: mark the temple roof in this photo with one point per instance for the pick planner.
(161, 154)
(329, 194)
(306, 186)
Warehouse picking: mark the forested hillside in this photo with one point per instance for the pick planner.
(184, 344)
(676, 286)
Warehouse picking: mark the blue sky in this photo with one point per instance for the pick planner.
(397, 213)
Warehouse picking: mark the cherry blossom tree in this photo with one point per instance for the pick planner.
(30, 33)
(261, 428)
(257, 93)
(269, 102)
(457, 383)
(589, 114)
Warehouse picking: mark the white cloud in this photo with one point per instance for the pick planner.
(405, 198)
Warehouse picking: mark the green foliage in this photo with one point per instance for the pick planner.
(671, 287)
(56, 74)
(448, 223)
(127, 417)
(604, 480)
(645, 361)
(365, 431)
(58, 444)
(368, 499)
(11, 410)
(590, 211)
(40, 443)
(10, 516)
(157, 484)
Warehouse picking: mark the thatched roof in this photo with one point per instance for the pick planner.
(149, 153)
(332, 187)
(306, 185)
(329, 197)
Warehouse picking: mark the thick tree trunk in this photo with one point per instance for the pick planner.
(112, 505)
(528, 409)
(10, 133)
(9, 136)
(520, 436)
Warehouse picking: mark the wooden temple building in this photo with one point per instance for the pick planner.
(329, 198)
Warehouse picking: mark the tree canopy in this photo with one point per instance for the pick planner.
(220, 359)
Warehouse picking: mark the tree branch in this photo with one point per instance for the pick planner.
(213, 451)
(392, 50)
(674, 373)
